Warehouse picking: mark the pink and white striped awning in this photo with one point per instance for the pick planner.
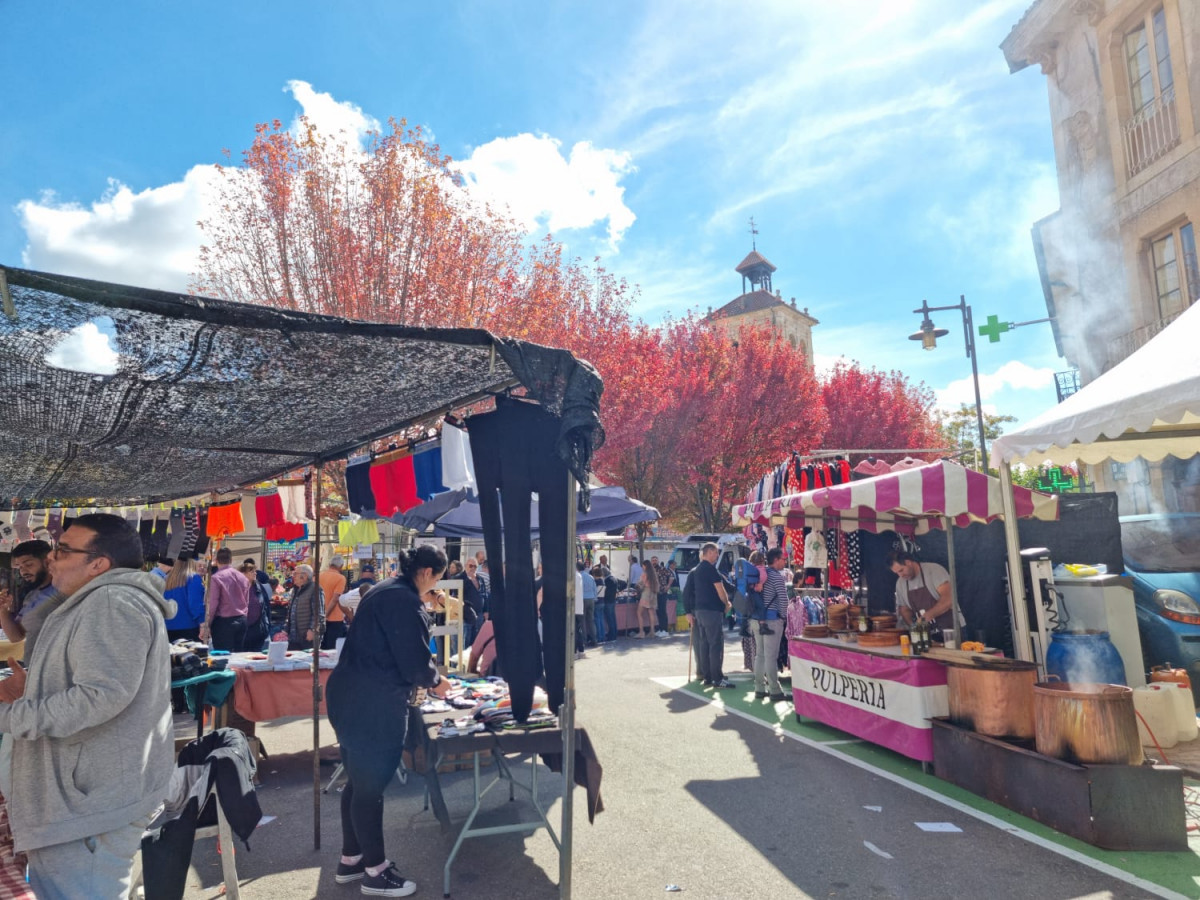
(910, 501)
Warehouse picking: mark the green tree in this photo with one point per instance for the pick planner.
(961, 431)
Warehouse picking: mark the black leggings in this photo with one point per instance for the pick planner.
(514, 453)
(369, 769)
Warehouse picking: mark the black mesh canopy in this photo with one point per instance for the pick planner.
(204, 395)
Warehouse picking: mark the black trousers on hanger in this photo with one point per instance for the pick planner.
(514, 453)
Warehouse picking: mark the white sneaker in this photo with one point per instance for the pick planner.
(663, 634)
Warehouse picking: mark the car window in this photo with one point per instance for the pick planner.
(1167, 544)
(686, 558)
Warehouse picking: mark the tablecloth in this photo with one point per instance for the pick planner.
(263, 696)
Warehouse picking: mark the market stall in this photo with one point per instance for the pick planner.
(1146, 406)
(848, 687)
(116, 396)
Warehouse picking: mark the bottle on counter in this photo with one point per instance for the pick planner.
(914, 634)
(905, 645)
(862, 624)
(922, 631)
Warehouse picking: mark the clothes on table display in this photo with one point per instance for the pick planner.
(515, 455)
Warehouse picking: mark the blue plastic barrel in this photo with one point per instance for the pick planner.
(1087, 657)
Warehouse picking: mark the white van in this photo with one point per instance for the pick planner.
(686, 554)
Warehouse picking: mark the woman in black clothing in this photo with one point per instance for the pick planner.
(385, 656)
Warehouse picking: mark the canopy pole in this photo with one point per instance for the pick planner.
(1022, 646)
(318, 635)
(955, 616)
(566, 713)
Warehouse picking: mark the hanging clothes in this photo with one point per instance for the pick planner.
(360, 498)
(268, 508)
(363, 531)
(427, 466)
(515, 456)
(224, 519)
(394, 484)
(291, 496)
(458, 466)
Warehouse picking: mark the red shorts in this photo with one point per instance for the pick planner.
(268, 509)
(394, 485)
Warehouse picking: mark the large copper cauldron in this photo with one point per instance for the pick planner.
(1086, 723)
(993, 700)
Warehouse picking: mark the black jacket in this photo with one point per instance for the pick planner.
(386, 654)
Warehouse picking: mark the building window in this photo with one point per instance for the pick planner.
(1153, 127)
(1176, 275)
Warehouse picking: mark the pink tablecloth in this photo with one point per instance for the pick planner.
(876, 694)
(263, 696)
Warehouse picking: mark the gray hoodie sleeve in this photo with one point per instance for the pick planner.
(108, 662)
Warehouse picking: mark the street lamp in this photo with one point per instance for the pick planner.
(928, 336)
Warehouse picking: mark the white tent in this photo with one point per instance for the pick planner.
(1148, 405)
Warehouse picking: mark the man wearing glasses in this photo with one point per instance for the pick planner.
(91, 720)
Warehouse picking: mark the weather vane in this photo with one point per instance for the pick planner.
(753, 235)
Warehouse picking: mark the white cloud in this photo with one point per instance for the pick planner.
(1013, 375)
(148, 238)
(87, 348)
(332, 117)
(541, 188)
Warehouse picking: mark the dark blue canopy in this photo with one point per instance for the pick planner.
(611, 510)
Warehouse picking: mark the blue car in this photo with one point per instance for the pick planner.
(1162, 556)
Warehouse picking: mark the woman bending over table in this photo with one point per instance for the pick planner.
(385, 656)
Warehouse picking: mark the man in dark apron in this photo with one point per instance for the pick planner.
(922, 586)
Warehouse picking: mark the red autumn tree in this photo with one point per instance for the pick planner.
(873, 410)
(736, 407)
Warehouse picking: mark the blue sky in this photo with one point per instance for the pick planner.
(883, 149)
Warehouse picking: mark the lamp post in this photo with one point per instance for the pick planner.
(928, 336)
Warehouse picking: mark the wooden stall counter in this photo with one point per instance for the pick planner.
(875, 693)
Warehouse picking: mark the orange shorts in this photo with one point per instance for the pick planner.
(225, 520)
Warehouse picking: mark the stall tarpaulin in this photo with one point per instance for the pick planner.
(1148, 406)
(911, 501)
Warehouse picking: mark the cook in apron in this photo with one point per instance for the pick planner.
(921, 597)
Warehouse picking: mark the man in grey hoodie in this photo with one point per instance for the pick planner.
(91, 718)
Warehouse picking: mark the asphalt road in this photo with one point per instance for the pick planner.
(696, 797)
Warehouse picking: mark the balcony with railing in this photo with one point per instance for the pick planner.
(1151, 133)
(1122, 346)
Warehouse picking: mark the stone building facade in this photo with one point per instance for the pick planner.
(1118, 258)
(756, 305)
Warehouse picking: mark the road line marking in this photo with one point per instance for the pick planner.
(987, 818)
(877, 851)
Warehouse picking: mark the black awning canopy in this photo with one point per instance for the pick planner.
(112, 395)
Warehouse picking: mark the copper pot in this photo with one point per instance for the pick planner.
(1086, 723)
(997, 702)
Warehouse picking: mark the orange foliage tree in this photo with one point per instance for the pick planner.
(869, 409)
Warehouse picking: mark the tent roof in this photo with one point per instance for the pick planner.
(206, 395)
(909, 500)
(610, 509)
(1148, 405)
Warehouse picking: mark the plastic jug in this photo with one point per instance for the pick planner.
(1156, 709)
(1166, 673)
(1185, 712)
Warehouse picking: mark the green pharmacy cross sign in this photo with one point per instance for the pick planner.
(993, 329)
(1056, 481)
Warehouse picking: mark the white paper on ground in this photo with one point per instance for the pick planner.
(937, 826)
